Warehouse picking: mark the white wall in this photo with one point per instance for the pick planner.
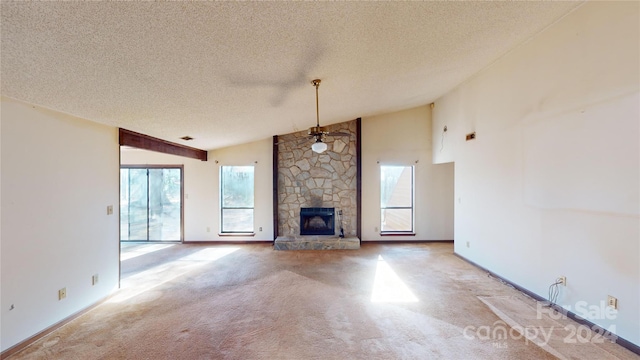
(550, 186)
(404, 138)
(59, 174)
(201, 188)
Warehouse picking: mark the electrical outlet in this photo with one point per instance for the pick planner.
(94, 279)
(62, 293)
(562, 280)
(110, 210)
(468, 244)
(375, 229)
(208, 229)
(612, 302)
(260, 228)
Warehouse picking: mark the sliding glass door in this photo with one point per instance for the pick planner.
(151, 203)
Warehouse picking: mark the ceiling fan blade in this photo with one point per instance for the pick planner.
(297, 141)
(338, 134)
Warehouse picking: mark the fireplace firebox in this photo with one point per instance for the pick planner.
(317, 221)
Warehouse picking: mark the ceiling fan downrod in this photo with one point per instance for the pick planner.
(316, 83)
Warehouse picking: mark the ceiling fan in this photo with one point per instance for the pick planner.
(319, 132)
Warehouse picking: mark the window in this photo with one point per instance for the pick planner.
(236, 199)
(396, 199)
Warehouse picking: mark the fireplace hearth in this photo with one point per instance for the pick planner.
(317, 221)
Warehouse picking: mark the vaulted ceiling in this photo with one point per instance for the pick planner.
(226, 73)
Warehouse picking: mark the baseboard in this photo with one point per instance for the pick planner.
(228, 242)
(23, 344)
(404, 241)
(620, 341)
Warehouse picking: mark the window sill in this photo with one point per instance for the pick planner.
(397, 233)
(237, 234)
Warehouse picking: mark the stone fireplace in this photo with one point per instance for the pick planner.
(307, 180)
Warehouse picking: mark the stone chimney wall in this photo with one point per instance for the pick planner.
(308, 179)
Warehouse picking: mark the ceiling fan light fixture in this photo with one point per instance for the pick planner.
(319, 146)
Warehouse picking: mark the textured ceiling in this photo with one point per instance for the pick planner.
(233, 72)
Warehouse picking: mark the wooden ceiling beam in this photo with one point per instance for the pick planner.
(146, 142)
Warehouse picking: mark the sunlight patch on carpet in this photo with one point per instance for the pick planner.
(149, 279)
(388, 287)
(142, 250)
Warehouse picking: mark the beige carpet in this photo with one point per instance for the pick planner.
(401, 301)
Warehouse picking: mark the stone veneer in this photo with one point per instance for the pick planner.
(308, 179)
(317, 243)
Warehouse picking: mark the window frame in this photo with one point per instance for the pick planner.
(411, 231)
(222, 207)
